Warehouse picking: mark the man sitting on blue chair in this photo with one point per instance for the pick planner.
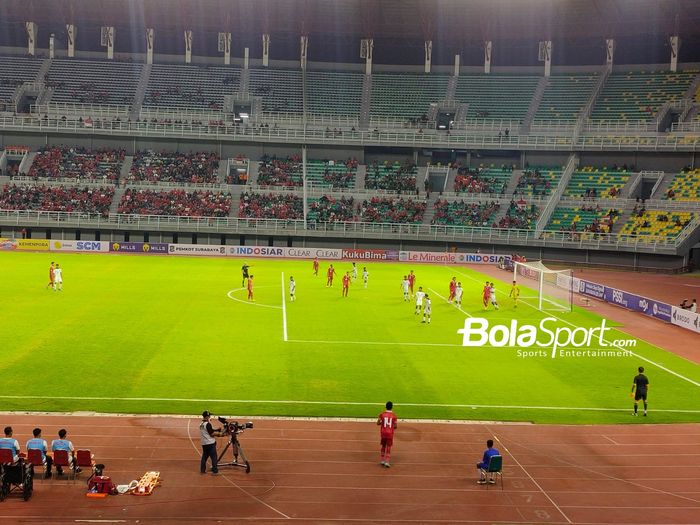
(10, 443)
(484, 465)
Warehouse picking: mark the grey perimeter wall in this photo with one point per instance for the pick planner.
(567, 257)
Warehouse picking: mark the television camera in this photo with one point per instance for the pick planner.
(232, 429)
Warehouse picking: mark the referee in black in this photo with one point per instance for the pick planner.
(244, 272)
(640, 385)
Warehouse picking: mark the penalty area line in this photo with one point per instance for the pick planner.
(646, 359)
(336, 403)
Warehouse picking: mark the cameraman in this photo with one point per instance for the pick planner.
(207, 435)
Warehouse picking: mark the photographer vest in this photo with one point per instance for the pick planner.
(204, 434)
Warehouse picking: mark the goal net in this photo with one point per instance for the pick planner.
(554, 287)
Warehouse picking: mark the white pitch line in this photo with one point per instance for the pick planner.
(692, 382)
(284, 312)
(370, 343)
(250, 303)
(348, 403)
(457, 307)
(532, 479)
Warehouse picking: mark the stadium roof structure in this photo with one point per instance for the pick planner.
(451, 20)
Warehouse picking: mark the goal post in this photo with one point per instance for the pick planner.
(555, 290)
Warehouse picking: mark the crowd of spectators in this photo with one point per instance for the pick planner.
(169, 166)
(382, 209)
(602, 224)
(57, 198)
(519, 216)
(77, 162)
(469, 180)
(460, 213)
(280, 172)
(176, 202)
(540, 184)
(270, 206)
(341, 175)
(391, 176)
(330, 209)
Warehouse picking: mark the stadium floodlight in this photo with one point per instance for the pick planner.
(555, 288)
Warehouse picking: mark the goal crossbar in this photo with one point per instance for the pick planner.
(554, 287)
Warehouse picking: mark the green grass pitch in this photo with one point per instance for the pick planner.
(140, 334)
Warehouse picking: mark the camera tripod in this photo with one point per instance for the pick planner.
(237, 451)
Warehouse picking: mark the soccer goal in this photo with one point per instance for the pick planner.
(555, 290)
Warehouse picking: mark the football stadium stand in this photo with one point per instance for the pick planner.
(638, 95)
(281, 172)
(496, 96)
(391, 176)
(593, 219)
(657, 224)
(57, 198)
(175, 202)
(169, 166)
(280, 89)
(330, 209)
(538, 181)
(519, 215)
(334, 93)
(270, 206)
(15, 71)
(396, 210)
(597, 182)
(685, 186)
(417, 92)
(191, 87)
(460, 213)
(76, 162)
(93, 82)
(482, 180)
(565, 96)
(336, 174)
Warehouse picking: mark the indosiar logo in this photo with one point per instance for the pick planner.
(478, 332)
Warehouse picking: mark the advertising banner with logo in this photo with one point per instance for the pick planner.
(686, 319)
(79, 246)
(276, 251)
(366, 255)
(659, 310)
(146, 248)
(196, 249)
(8, 244)
(452, 258)
(39, 245)
(621, 298)
(590, 289)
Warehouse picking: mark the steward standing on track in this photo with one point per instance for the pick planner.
(640, 384)
(207, 435)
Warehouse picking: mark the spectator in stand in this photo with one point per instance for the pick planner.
(470, 180)
(176, 203)
(193, 168)
(391, 176)
(464, 214)
(77, 162)
(280, 172)
(382, 209)
(57, 198)
(271, 206)
(330, 209)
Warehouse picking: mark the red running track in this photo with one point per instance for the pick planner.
(328, 472)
